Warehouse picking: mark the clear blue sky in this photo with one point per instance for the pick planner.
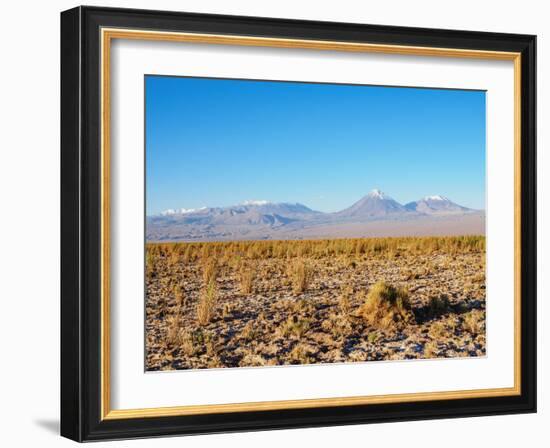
(215, 142)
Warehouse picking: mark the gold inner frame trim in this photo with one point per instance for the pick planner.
(107, 35)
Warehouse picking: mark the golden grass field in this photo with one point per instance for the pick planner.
(268, 303)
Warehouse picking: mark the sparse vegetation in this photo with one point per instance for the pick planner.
(474, 321)
(259, 303)
(300, 274)
(359, 247)
(438, 305)
(294, 327)
(301, 354)
(386, 306)
(209, 270)
(246, 279)
(179, 296)
(345, 300)
(249, 332)
(207, 304)
(431, 349)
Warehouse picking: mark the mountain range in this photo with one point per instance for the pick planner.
(268, 220)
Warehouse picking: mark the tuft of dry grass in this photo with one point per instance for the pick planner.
(209, 270)
(337, 325)
(301, 307)
(173, 329)
(179, 296)
(301, 354)
(249, 331)
(438, 306)
(187, 344)
(227, 310)
(474, 321)
(373, 337)
(437, 330)
(431, 349)
(174, 257)
(150, 263)
(344, 301)
(246, 279)
(253, 360)
(206, 307)
(386, 306)
(295, 327)
(300, 274)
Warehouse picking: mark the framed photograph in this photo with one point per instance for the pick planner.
(273, 223)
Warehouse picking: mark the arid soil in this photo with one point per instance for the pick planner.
(243, 304)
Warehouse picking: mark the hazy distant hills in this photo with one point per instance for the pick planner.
(376, 214)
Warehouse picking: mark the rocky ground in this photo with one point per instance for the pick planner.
(214, 312)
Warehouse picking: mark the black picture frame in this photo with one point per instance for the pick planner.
(81, 224)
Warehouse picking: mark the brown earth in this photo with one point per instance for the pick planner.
(213, 305)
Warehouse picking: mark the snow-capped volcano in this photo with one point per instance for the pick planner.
(375, 204)
(378, 194)
(436, 205)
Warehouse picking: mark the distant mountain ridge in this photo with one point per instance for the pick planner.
(265, 220)
(433, 205)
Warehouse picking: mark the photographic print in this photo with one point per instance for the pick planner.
(293, 223)
(344, 212)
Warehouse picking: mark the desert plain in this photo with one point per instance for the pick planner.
(273, 303)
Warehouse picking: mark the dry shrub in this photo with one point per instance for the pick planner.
(300, 274)
(206, 307)
(386, 306)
